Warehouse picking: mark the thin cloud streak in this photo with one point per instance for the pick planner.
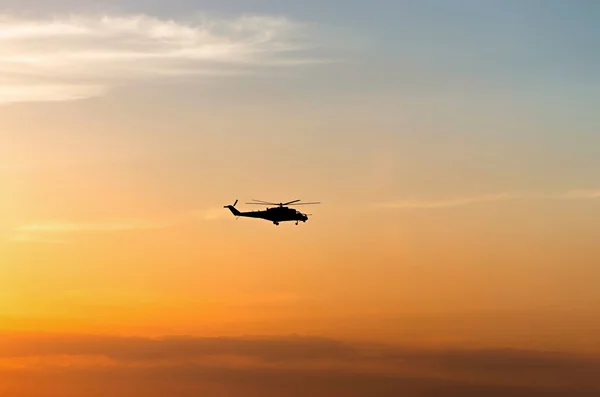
(42, 230)
(470, 200)
(90, 227)
(81, 56)
(581, 194)
(39, 232)
(30, 238)
(447, 203)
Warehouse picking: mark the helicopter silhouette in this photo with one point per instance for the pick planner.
(279, 213)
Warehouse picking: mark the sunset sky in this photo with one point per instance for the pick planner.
(455, 147)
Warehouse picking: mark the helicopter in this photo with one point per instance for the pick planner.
(280, 213)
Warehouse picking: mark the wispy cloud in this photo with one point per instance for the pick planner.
(51, 227)
(22, 237)
(486, 198)
(45, 232)
(449, 202)
(59, 231)
(581, 194)
(81, 56)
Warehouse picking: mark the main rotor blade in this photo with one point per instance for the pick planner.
(306, 203)
(290, 202)
(265, 202)
(261, 204)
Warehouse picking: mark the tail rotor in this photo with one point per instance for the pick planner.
(227, 206)
(232, 208)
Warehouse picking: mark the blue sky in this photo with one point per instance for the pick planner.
(552, 44)
(503, 92)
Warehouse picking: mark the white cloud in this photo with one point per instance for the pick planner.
(81, 56)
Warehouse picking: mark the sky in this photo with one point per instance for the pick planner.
(454, 147)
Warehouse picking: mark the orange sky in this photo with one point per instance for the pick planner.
(460, 204)
(96, 241)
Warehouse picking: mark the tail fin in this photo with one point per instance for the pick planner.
(232, 208)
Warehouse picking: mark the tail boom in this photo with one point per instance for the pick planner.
(233, 210)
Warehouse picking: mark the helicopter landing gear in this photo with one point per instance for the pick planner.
(296, 223)
(276, 223)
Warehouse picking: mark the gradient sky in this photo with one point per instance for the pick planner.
(455, 147)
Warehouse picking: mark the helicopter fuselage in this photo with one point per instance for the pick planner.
(275, 214)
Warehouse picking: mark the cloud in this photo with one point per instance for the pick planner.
(39, 232)
(581, 194)
(139, 349)
(81, 56)
(52, 227)
(269, 366)
(21, 237)
(46, 231)
(487, 198)
(450, 202)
